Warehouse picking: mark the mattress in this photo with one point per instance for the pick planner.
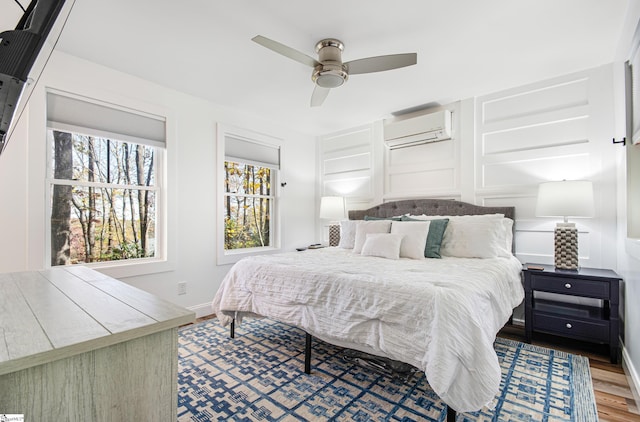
(440, 315)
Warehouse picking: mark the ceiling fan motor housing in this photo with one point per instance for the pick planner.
(330, 73)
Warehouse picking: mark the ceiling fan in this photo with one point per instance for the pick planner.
(329, 71)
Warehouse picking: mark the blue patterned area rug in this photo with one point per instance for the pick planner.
(259, 376)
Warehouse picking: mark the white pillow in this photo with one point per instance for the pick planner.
(347, 234)
(507, 224)
(475, 236)
(384, 245)
(415, 237)
(365, 227)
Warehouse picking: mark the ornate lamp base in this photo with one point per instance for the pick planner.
(334, 234)
(566, 246)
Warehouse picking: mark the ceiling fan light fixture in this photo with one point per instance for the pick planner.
(329, 76)
(329, 80)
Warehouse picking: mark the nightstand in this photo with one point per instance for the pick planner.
(586, 322)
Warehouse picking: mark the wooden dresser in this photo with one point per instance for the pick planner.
(76, 345)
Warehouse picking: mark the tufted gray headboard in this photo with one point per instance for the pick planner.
(431, 207)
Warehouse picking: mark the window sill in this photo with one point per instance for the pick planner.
(133, 268)
(231, 257)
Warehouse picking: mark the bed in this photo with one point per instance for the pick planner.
(440, 315)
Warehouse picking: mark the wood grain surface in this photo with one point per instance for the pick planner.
(81, 346)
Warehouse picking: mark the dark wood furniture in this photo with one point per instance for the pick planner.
(596, 324)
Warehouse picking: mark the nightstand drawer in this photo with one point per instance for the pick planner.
(597, 331)
(571, 286)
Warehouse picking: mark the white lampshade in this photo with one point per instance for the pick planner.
(332, 208)
(567, 198)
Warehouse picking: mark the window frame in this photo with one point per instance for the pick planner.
(161, 262)
(226, 257)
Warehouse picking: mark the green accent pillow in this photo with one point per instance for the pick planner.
(370, 218)
(434, 238)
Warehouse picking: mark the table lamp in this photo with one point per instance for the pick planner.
(333, 208)
(566, 198)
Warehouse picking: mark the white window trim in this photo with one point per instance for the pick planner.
(164, 261)
(230, 257)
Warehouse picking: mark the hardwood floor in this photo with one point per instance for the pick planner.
(614, 398)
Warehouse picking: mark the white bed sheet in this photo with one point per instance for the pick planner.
(440, 315)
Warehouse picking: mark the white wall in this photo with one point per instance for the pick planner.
(349, 164)
(191, 177)
(14, 183)
(628, 265)
(503, 145)
(432, 169)
(552, 130)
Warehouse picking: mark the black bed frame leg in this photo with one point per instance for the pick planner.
(451, 414)
(232, 329)
(307, 354)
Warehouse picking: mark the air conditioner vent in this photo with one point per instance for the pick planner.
(432, 127)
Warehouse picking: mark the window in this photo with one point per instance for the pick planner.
(247, 206)
(251, 164)
(104, 183)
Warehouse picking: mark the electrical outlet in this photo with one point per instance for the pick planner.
(182, 287)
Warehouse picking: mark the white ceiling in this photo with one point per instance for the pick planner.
(465, 48)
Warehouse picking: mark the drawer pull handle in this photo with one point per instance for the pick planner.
(568, 325)
(568, 285)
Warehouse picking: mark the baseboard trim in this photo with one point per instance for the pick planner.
(632, 375)
(518, 321)
(202, 310)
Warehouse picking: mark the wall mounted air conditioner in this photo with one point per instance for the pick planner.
(432, 127)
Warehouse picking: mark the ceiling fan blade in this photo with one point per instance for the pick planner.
(285, 51)
(319, 95)
(381, 63)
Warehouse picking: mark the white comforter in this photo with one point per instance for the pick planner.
(440, 315)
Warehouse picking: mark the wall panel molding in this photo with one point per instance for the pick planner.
(347, 164)
(550, 130)
(427, 170)
(539, 99)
